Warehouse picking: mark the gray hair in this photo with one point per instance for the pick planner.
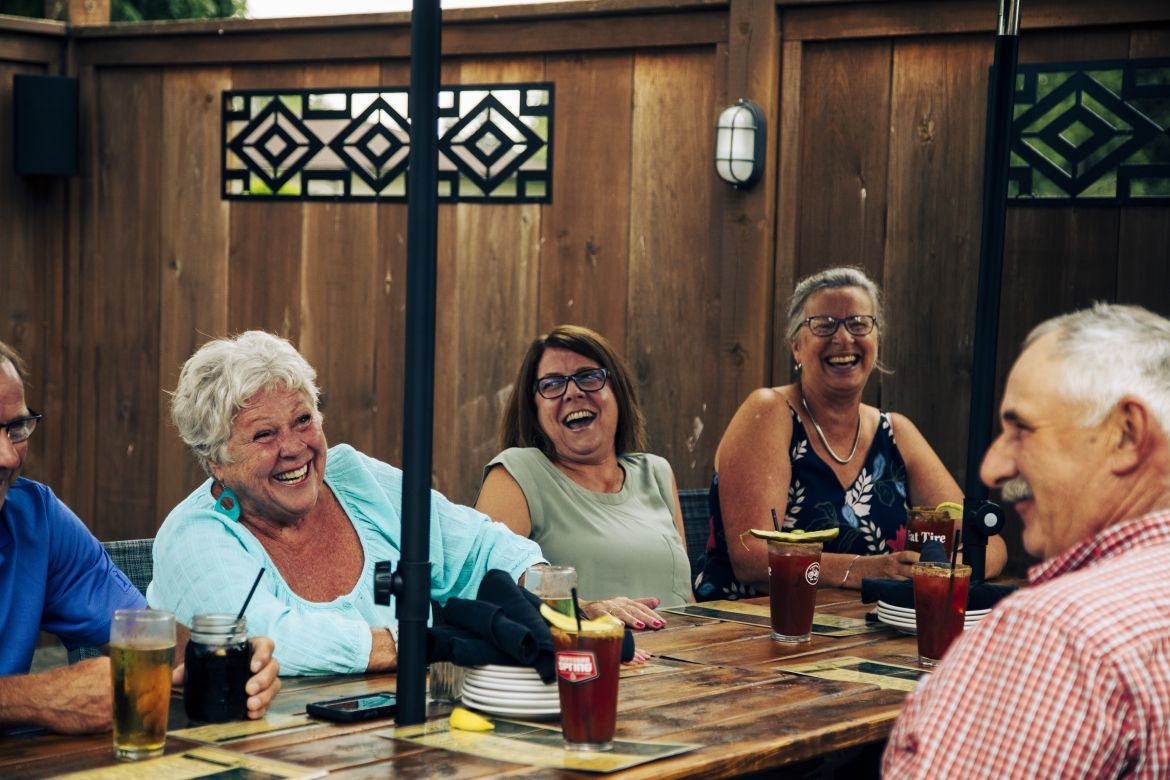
(1110, 351)
(219, 379)
(831, 279)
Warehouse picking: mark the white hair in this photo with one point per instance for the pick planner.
(219, 379)
(832, 279)
(1110, 351)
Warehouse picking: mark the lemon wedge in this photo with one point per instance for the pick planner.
(466, 720)
(951, 508)
(796, 535)
(569, 624)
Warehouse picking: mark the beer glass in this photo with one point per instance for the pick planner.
(588, 664)
(940, 607)
(924, 524)
(142, 653)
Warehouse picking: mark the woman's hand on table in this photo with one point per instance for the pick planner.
(635, 613)
(895, 566)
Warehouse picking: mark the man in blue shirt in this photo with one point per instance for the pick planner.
(56, 577)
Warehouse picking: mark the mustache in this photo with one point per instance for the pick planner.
(1015, 489)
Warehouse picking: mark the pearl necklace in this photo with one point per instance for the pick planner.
(825, 442)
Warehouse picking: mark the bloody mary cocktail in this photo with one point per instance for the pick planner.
(587, 664)
(940, 607)
(924, 524)
(794, 569)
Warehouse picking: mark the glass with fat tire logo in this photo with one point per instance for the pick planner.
(588, 664)
(794, 569)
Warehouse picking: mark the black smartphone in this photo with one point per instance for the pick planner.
(353, 708)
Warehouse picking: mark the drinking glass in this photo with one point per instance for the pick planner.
(219, 663)
(142, 653)
(940, 607)
(554, 585)
(925, 524)
(587, 665)
(794, 569)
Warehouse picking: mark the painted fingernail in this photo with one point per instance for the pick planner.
(659, 623)
(639, 624)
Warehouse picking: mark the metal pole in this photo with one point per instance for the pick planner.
(1001, 94)
(415, 567)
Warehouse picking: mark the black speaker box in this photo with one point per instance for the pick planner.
(45, 133)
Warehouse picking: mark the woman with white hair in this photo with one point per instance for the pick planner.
(819, 457)
(316, 518)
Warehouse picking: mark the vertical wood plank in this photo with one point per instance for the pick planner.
(339, 280)
(789, 201)
(493, 308)
(747, 221)
(585, 257)
(932, 243)
(845, 116)
(674, 262)
(194, 258)
(267, 240)
(122, 302)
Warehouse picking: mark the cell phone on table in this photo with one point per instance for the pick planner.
(353, 708)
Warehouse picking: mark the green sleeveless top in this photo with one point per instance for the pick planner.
(622, 544)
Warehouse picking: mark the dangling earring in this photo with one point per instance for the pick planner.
(228, 503)
(798, 366)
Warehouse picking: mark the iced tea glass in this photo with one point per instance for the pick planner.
(940, 607)
(142, 654)
(794, 569)
(554, 585)
(588, 663)
(924, 524)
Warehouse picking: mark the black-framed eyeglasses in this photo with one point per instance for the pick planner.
(825, 326)
(554, 386)
(21, 428)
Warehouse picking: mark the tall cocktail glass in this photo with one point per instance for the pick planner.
(588, 663)
(940, 607)
(794, 569)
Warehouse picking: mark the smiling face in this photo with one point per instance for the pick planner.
(11, 406)
(1052, 466)
(581, 426)
(278, 450)
(841, 362)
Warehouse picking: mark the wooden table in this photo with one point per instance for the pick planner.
(723, 691)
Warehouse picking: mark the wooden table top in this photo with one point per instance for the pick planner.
(714, 683)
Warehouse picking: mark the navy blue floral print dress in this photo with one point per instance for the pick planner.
(870, 513)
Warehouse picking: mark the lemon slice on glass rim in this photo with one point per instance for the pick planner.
(951, 508)
(796, 535)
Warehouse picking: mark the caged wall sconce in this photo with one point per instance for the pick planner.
(739, 144)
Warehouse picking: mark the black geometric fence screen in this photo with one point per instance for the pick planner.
(1091, 133)
(495, 143)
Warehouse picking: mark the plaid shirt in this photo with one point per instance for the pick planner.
(1068, 678)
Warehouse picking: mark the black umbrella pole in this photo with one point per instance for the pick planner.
(1001, 94)
(415, 568)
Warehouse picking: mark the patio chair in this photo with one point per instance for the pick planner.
(134, 558)
(696, 523)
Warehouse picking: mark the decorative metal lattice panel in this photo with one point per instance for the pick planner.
(1091, 133)
(495, 143)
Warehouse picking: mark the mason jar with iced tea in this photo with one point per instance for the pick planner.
(219, 661)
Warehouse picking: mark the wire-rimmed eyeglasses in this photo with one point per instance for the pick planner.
(825, 326)
(554, 386)
(21, 428)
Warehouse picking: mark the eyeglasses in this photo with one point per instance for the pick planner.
(856, 324)
(554, 386)
(21, 428)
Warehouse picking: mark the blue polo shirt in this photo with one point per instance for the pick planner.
(54, 576)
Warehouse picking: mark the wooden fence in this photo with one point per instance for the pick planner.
(876, 120)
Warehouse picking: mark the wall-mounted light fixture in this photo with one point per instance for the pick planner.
(739, 144)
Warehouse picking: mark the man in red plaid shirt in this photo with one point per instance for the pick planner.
(1070, 677)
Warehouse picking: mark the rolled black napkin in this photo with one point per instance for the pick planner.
(900, 593)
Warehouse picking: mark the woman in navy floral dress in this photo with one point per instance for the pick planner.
(823, 459)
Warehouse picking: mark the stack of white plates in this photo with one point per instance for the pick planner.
(902, 618)
(510, 691)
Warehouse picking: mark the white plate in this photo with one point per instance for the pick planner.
(891, 609)
(909, 627)
(507, 683)
(497, 670)
(487, 694)
(536, 711)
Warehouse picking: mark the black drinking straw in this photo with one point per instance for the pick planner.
(775, 520)
(253, 590)
(576, 610)
(954, 558)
